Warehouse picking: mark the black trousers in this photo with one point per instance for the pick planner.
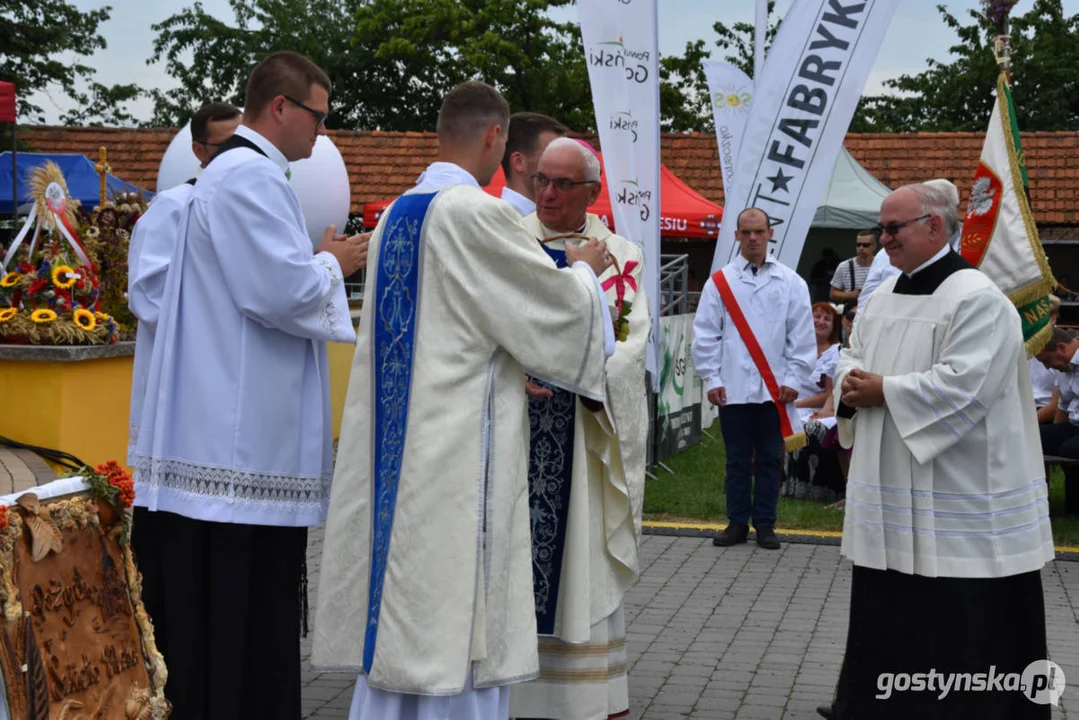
(905, 625)
(1063, 439)
(225, 603)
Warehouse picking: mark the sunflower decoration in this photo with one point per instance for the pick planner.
(11, 279)
(43, 316)
(108, 231)
(64, 277)
(7, 314)
(84, 319)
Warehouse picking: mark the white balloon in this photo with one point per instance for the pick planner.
(321, 183)
(179, 164)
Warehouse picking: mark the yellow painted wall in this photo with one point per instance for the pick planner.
(82, 407)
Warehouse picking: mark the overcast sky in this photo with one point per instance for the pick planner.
(916, 33)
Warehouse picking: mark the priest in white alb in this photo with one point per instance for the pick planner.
(947, 521)
(426, 583)
(586, 473)
(234, 454)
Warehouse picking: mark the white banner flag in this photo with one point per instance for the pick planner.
(621, 48)
(731, 93)
(802, 106)
(760, 31)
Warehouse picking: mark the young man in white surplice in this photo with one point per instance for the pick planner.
(234, 453)
(426, 577)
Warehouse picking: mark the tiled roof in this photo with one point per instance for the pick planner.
(384, 164)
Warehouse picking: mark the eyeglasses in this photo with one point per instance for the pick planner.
(893, 228)
(320, 117)
(560, 184)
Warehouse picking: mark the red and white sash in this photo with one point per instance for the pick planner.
(790, 425)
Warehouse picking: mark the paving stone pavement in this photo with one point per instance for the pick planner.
(737, 633)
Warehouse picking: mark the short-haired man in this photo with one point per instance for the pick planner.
(850, 275)
(882, 267)
(774, 301)
(234, 454)
(426, 577)
(529, 135)
(152, 241)
(586, 483)
(1061, 435)
(1045, 379)
(946, 518)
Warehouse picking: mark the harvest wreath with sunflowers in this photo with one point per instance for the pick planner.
(63, 281)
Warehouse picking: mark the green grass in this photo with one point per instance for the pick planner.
(695, 492)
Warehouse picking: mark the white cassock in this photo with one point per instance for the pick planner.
(587, 488)
(152, 242)
(426, 584)
(235, 425)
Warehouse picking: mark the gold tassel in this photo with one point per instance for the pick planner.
(797, 441)
(1035, 291)
(1039, 340)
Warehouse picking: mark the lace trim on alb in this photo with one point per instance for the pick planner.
(239, 486)
(328, 315)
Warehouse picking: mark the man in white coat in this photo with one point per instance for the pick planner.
(426, 581)
(152, 241)
(775, 304)
(529, 135)
(233, 457)
(586, 473)
(947, 521)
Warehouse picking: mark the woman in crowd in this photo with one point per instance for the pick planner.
(811, 473)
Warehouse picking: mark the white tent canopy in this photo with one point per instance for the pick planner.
(853, 198)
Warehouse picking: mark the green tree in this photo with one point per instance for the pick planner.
(958, 95)
(36, 37)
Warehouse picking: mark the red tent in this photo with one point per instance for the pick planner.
(685, 213)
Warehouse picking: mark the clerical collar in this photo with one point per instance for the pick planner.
(520, 203)
(268, 148)
(443, 174)
(927, 278)
(940, 254)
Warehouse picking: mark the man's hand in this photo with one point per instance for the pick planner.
(594, 252)
(351, 252)
(718, 396)
(534, 390)
(787, 395)
(862, 389)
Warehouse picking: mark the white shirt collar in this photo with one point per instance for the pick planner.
(264, 145)
(520, 203)
(443, 174)
(940, 253)
(743, 263)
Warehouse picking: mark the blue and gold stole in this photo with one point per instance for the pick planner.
(393, 331)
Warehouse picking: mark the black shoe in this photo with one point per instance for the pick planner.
(826, 711)
(766, 538)
(734, 533)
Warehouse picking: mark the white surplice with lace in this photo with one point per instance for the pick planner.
(235, 423)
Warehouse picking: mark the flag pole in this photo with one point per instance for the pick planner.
(14, 176)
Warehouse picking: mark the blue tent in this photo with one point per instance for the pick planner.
(83, 182)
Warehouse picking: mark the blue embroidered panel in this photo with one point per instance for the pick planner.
(550, 471)
(394, 336)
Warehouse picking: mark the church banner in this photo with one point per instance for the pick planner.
(679, 402)
(1000, 236)
(802, 105)
(731, 93)
(621, 50)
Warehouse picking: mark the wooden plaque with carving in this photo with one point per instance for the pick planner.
(77, 643)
